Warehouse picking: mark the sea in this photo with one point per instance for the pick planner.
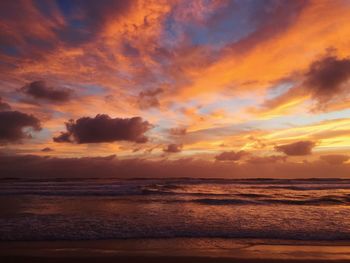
(119, 209)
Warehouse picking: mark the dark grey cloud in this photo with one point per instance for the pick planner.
(12, 124)
(173, 148)
(230, 156)
(40, 90)
(103, 128)
(326, 76)
(299, 148)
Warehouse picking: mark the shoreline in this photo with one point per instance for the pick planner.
(175, 250)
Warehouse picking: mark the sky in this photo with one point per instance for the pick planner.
(212, 88)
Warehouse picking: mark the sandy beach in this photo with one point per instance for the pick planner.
(174, 250)
(133, 259)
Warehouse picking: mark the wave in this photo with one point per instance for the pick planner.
(316, 201)
(208, 201)
(308, 187)
(255, 192)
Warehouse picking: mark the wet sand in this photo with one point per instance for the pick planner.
(174, 250)
(139, 259)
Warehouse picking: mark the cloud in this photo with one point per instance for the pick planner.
(12, 124)
(326, 82)
(296, 148)
(103, 128)
(273, 19)
(230, 156)
(257, 142)
(138, 51)
(178, 131)
(4, 106)
(40, 90)
(32, 29)
(327, 77)
(148, 99)
(335, 159)
(47, 149)
(173, 148)
(267, 159)
(93, 18)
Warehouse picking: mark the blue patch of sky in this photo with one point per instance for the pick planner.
(87, 90)
(234, 25)
(39, 43)
(59, 114)
(226, 130)
(38, 136)
(299, 120)
(45, 7)
(78, 27)
(279, 89)
(164, 124)
(282, 122)
(227, 25)
(177, 107)
(67, 7)
(9, 50)
(229, 105)
(44, 134)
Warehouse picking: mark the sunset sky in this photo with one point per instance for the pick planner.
(222, 87)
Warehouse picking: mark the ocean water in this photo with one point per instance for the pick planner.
(99, 209)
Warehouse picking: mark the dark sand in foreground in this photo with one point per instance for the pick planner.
(174, 250)
(147, 259)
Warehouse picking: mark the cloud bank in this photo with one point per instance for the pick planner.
(31, 166)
